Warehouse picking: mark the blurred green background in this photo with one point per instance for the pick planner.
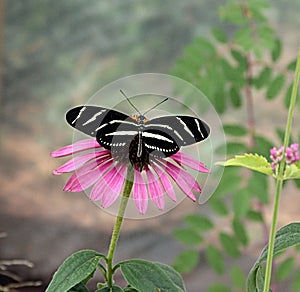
(56, 54)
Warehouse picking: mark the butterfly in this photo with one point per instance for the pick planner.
(136, 138)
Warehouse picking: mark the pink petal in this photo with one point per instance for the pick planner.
(79, 161)
(86, 176)
(155, 190)
(140, 194)
(76, 147)
(166, 183)
(114, 180)
(189, 161)
(185, 181)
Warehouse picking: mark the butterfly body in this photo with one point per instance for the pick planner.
(136, 138)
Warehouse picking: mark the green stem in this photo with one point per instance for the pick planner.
(279, 178)
(118, 224)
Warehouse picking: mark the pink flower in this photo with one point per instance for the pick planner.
(291, 155)
(95, 167)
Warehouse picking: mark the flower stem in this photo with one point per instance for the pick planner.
(118, 224)
(279, 178)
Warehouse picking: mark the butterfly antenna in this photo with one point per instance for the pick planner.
(155, 106)
(123, 93)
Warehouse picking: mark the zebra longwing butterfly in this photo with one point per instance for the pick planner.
(136, 138)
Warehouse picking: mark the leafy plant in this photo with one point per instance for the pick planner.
(240, 61)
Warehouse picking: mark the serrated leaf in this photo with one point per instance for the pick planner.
(234, 130)
(241, 202)
(275, 86)
(219, 35)
(284, 269)
(187, 236)
(74, 269)
(238, 277)
(199, 222)
(186, 261)
(229, 244)
(215, 259)
(240, 231)
(292, 171)
(148, 276)
(277, 49)
(251, 161)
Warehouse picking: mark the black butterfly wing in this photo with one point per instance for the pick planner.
(105, 124)
(179, 131)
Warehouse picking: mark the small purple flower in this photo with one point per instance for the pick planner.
(291, 155)
(97, 168)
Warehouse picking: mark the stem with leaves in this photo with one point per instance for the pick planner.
(279, 178)
(118, 224)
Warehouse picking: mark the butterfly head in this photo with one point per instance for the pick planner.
(140, 119)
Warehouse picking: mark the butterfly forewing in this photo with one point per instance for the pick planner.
(91, 119)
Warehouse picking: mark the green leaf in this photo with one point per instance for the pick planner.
(263, 78)
(260, 273)
(284, 269)
(238, 277)
(187, 236)
(243, 37)
(251, 280)
(215, 259)
(235, 97)
(186, 261)
(255, 216)
(277, 49)
(79, 288)
(235, 130)
(130, 289)
(229, 183)
(258, 186)
(292, 171)
(287, 236)
(74, 269)
(148, 276)
(240, 58)
(296, 281)
(113, 289)
(292, 65)
(219, 287)
(251, 161)
(262, 145)
(275, 86)
(218, 206)
(219, 35)
(241, 202)
(229, 244)
(240, 231)
(199, 222)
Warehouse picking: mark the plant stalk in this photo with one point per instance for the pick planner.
(118, 224)
(279, 178)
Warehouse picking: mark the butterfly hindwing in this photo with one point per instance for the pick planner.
(184, 130)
